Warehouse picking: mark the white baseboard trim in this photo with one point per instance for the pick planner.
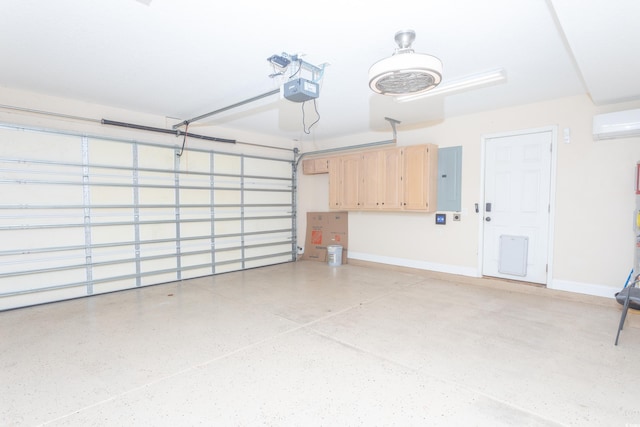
(583, 288)
(411, 263)
(556, 284)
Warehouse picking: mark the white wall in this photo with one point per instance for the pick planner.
(595, 200)
(594, 203)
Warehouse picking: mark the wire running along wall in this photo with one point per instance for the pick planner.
(83, 215)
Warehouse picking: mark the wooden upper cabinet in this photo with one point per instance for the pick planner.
(371, 180)
(351, 181)
(391, 179)
(420, 168)
(390, 189)
(315, 166)
(335, 183)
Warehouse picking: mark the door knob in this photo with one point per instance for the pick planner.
(488, 219)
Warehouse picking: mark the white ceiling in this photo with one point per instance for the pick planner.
(184, 58)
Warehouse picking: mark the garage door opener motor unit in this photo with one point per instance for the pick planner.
(300, 90)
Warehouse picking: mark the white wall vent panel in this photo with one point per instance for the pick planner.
(513, 255)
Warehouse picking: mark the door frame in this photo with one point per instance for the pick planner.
(552, 192)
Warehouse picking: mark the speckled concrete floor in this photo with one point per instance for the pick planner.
(305, 344)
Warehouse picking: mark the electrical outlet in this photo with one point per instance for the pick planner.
(456, 217)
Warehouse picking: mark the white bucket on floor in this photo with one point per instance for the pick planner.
(334, 255)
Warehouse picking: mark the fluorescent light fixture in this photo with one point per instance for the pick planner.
(474, 81)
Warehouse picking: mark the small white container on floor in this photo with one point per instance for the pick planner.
(334, 255)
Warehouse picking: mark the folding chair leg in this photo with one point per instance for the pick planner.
(623, 317)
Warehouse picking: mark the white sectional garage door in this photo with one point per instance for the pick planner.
(83, 215)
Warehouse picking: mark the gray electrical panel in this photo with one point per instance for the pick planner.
(450, 179)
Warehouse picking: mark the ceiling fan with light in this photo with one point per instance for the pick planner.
(408, 75)
(405, 72)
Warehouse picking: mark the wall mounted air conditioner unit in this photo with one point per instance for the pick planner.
(621, 124)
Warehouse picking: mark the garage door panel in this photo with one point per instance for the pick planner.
(114, 285)
(83, 215)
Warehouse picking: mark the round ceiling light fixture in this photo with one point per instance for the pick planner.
(406, 72)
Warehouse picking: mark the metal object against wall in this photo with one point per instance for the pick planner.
(223, 219)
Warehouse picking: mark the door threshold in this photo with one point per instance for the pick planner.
(515, 281)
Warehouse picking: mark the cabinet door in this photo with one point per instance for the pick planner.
(308, 167)
(335, 183)
(390, 188)
(419, 176)
(371, 180)
(351, 181)
(315, 166)
(320, 165)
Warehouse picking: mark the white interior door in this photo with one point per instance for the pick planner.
(516, 208)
